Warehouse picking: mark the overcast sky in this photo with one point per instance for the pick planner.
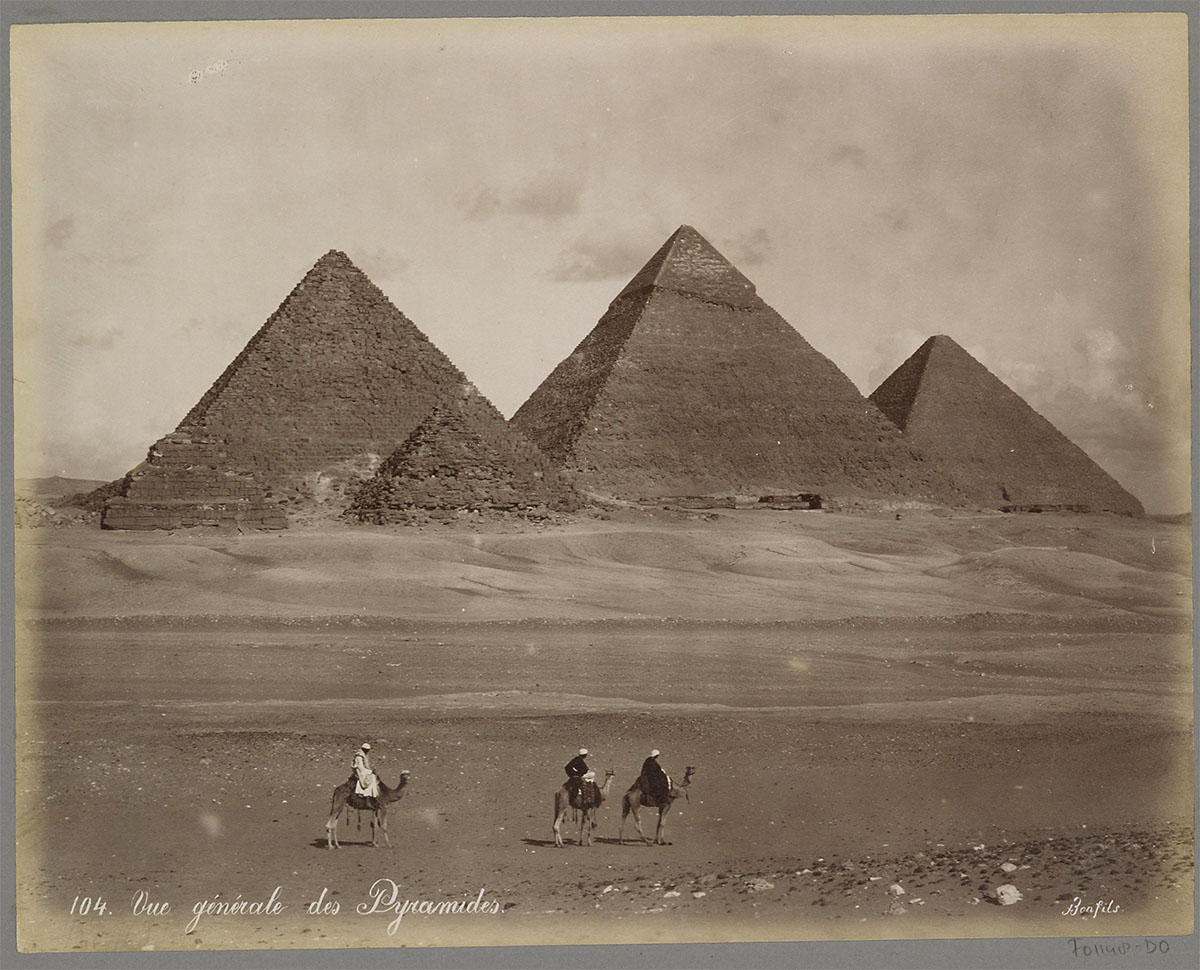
(1019, 183)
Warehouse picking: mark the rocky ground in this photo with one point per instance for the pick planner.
(861, 772)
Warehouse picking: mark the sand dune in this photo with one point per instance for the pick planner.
(742, 566)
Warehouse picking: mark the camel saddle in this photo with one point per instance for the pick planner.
(589, 794)
(364, 803)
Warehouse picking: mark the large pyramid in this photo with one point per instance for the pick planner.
(463, 457)
(691, 385)
(1001, 450)
(326, 388)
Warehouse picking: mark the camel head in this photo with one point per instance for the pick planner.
(394, 793)
(687, 780)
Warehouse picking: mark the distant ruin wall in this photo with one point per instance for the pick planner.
(121, 513)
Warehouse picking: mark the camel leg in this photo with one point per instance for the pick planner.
(335, 811)
(383, 825)
(560, 816)
(662, 825)
(636, 821)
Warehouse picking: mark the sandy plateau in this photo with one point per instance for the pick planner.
(940, 703)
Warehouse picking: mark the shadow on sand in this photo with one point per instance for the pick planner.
(322, 843)
(598, 840)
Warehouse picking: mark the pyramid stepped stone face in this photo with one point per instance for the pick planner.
(329, 385)
(691, 385)
(463, 456)
(1001, 450)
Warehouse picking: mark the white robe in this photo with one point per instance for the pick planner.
(368, 784)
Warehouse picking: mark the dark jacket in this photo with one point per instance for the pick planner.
(576, 767)
(655, 777)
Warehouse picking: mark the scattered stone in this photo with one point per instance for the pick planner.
(1007, 894)
(895, 889)
(759, 884)
(1008, 867)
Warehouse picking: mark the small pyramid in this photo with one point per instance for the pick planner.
(1001, 450)
(463, 456)
(326, 388)
(691, 385)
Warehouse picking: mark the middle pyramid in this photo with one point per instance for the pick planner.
(691, 385)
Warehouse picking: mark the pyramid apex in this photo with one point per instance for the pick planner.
(689, 263)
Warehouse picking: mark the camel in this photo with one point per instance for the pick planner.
(344, 795)
(637, 798)
(588, 800)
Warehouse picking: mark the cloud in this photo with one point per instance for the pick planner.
(898, 218)
(1110, 396)
(480, 203)
(59, 233)
(598, 257)
(98, 339)
(210, 330)
(382, 264)
(854, 155)
(750, 248)
(890, 351)
(550, 196)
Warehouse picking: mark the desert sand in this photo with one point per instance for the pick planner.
(941, 703)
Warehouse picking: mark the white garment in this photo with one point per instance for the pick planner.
(368, 784)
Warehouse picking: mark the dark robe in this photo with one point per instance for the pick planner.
(655, 778)
(576, 768)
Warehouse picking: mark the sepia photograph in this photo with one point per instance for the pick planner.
(533, 480)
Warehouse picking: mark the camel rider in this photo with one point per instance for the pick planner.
(654, 780)
(368, 784)
(576, 768)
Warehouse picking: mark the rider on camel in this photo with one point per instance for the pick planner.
(576, 768)
(654, 780)
(367, 783)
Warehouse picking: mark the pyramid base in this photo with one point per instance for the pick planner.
(221, 513)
